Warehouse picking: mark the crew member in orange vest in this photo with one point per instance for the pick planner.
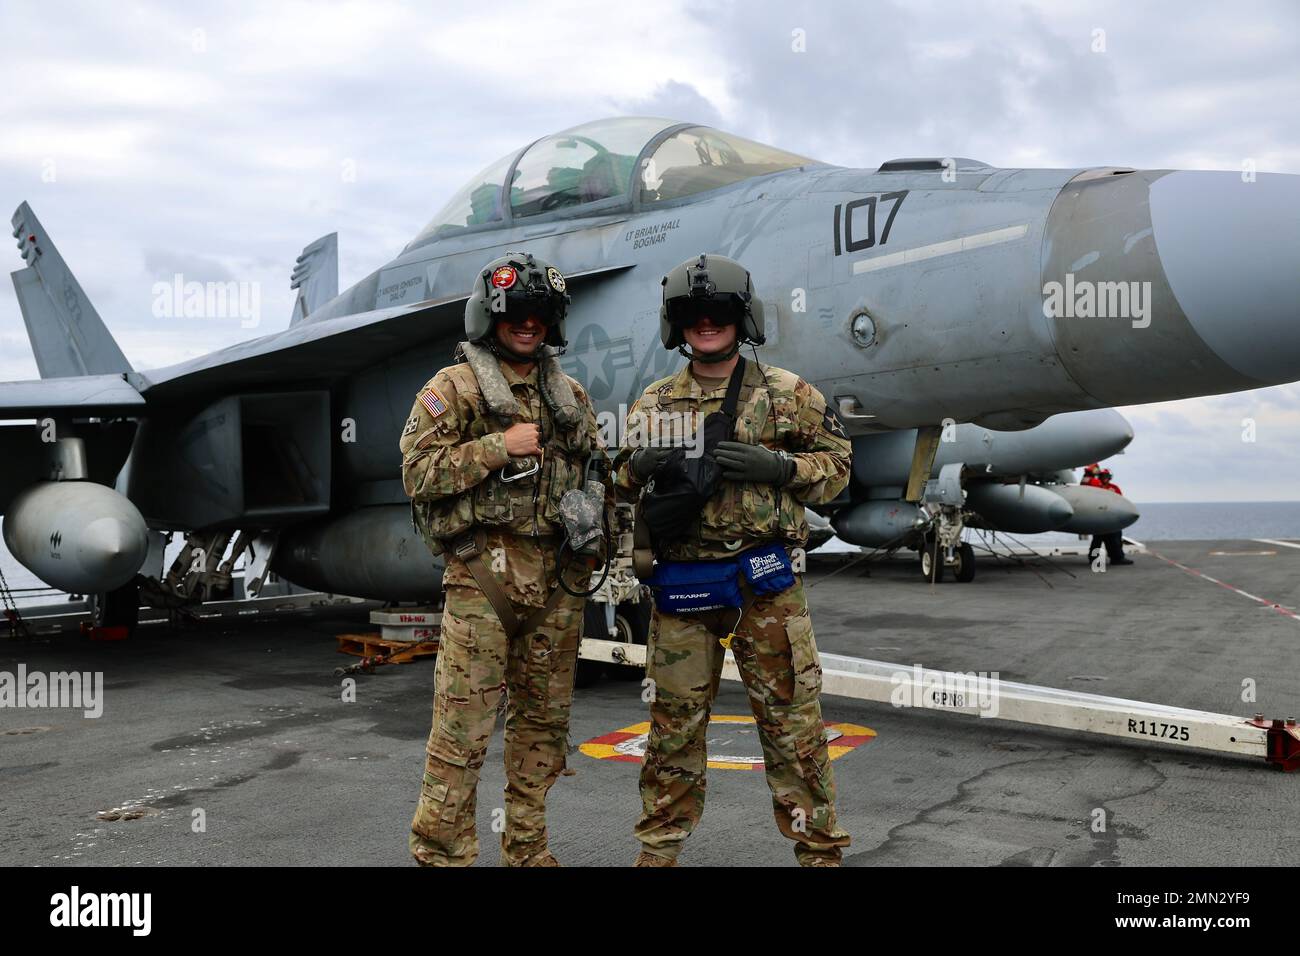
(1099, 477)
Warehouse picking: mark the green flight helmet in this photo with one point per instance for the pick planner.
(717, 284)
(518, 282)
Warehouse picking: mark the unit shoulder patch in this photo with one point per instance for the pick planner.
(831, 422)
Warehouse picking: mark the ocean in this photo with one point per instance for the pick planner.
(1215, 520)
(1159, 521)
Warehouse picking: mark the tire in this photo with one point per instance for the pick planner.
(964, 570)
(632, 620)
(119, 608)
(930, 558)
(588, 673)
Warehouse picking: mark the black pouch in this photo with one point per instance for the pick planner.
(681, 486)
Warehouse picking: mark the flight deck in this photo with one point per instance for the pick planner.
(229, 741)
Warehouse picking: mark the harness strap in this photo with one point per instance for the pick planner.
(732, 399)
(469, 548)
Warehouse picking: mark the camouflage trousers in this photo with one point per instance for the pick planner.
(777, 658)
(476, 663)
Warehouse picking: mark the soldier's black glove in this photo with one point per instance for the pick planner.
(741, 462)
(646, 460)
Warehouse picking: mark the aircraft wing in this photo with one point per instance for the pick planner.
(84, 373)
(314, 351)
(321, 351)
(80, 396)
(310, 352)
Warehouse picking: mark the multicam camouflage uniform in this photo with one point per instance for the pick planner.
(774, 645)
(453, 449)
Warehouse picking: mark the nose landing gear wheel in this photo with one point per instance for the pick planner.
(964, 569)
(931, 560)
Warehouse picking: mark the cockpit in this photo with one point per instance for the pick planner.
(609, 165)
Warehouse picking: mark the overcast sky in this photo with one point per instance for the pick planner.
(217, 142)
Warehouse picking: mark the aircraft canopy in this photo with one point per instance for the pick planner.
(606, 166)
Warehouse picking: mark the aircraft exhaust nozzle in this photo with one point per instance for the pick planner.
(1096, 510)
(76, 536)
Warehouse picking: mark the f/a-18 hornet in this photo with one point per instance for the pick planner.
(918, 295)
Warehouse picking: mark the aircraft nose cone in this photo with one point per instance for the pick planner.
(1231, 253)
(1101, 432)
(1059, 512)
(112, 551)
(1124, 510)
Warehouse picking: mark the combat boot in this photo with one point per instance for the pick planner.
(810, 857)
(645, 858)
(541, 858)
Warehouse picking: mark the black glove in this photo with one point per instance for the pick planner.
(741, 462)
(646, 460)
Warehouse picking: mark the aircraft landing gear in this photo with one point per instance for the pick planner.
(935, 563)
(117, 608)
(942, 546)
(964, 568)
(931, 560)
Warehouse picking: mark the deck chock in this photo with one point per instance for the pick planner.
(372, 645)
(1283, 742)
(406, 633)
(89, 630)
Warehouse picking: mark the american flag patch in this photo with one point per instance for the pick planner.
(433, 402)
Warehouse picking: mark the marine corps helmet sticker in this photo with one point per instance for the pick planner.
(505, 277)
(555, 279)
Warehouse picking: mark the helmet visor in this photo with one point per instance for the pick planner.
(535, 300)
(686, 312)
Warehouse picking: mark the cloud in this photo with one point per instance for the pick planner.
(155, 138)
(675, 100)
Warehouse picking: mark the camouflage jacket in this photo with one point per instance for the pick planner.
(453, 450)
(778, 410)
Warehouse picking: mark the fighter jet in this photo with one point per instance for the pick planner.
(1019, 482)
(915, 293)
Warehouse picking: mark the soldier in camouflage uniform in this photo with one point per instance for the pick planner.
(505, 409)
(788, 450)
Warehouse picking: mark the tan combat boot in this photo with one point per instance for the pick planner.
(645, 858)
(541, 858)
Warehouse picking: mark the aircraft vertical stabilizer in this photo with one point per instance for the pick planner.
(68, 337)
(315, 276)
